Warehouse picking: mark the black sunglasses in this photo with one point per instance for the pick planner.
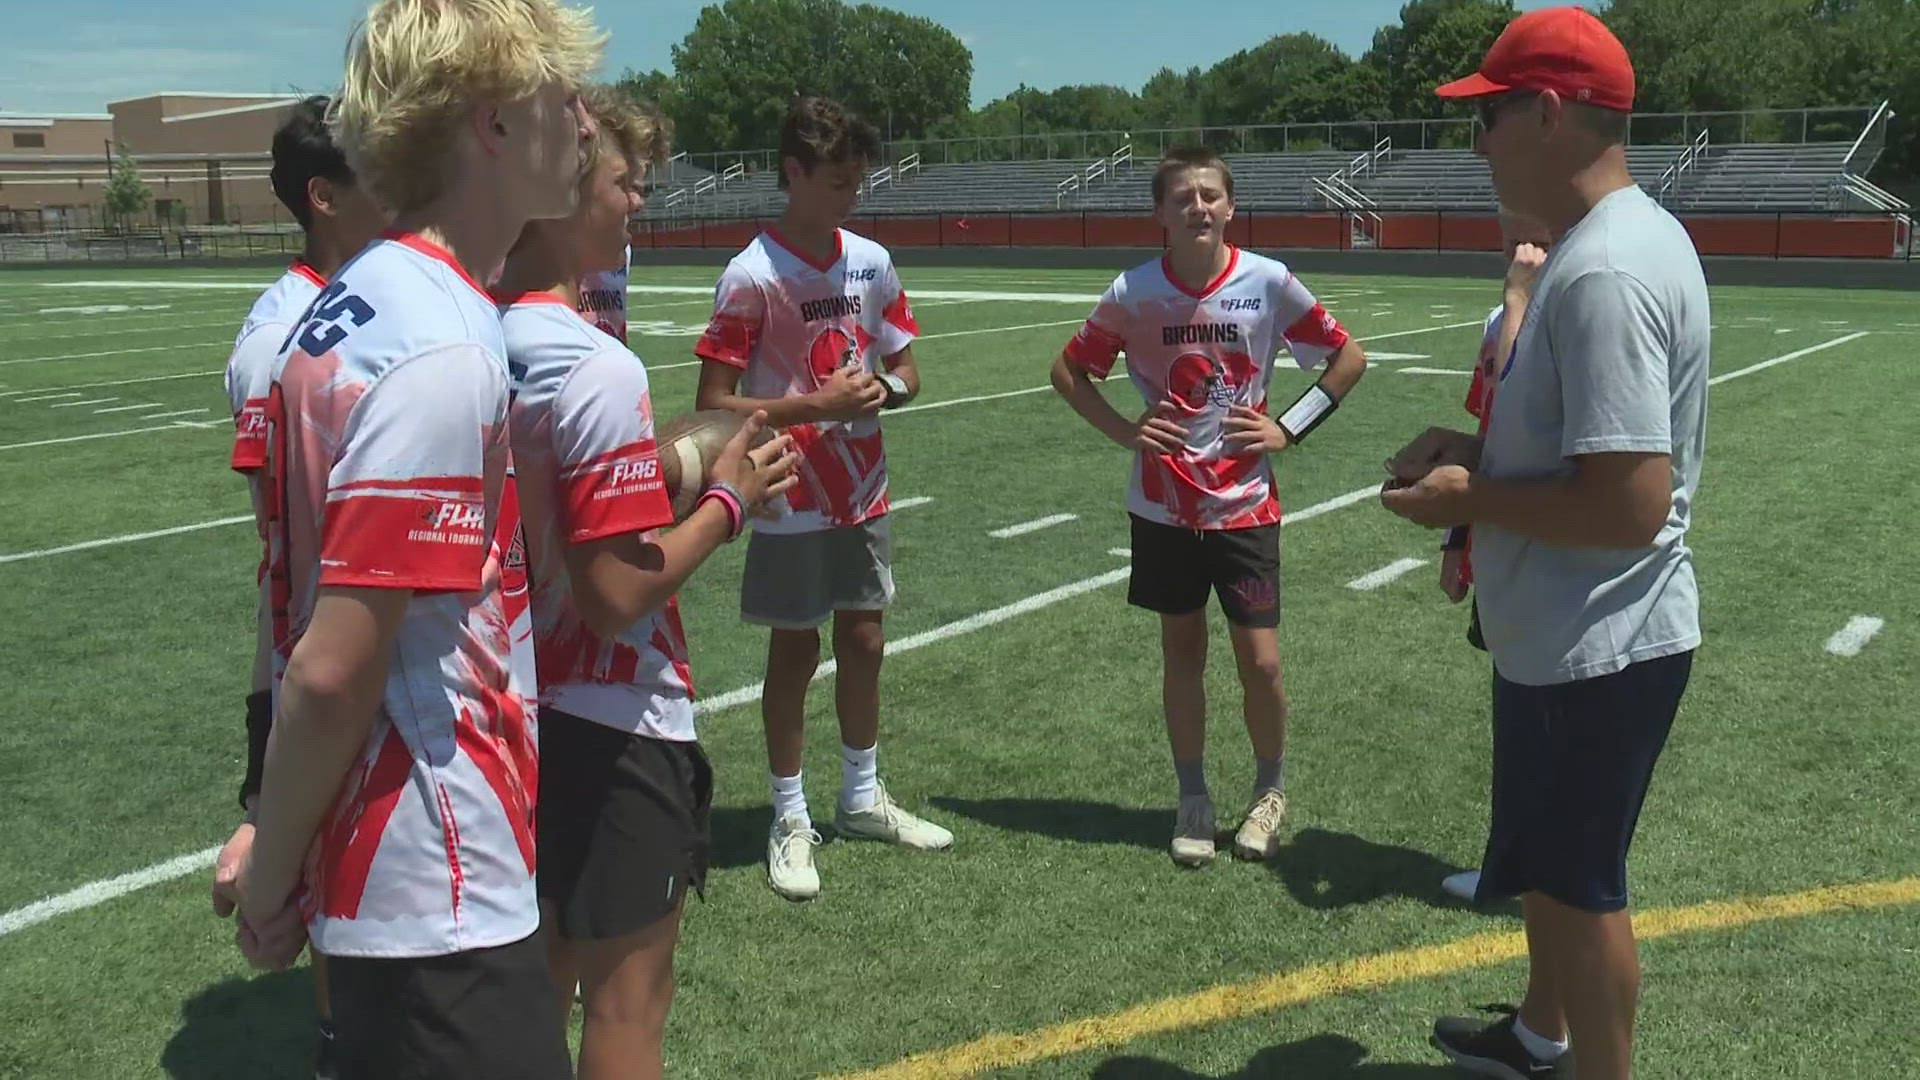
(1488, 110)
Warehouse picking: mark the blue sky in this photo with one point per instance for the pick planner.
(77, 55)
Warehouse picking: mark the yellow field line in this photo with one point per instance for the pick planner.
(1231, 1001)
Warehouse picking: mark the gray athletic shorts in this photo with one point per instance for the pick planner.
(795, 581)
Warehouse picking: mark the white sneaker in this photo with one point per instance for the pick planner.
(1464, 884)
(884, 820)
(1259, 835)
(1193, 831)
(790, 858)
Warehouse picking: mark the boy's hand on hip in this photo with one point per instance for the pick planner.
(1158, 433)
(1250, 431)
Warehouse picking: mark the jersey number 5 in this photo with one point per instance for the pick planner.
(323, 330)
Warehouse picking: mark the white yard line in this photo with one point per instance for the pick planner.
(109, 331)
(132, 408)
(909, 503)
(44, 397)
(88, 545)
(1851, 638)
(1035, 525)
(1387, 573)
(182, 412)
(99, 892)
(1420, 330)
(115, 352)
(1795, 355)
(74, 404)
(967, 400)
(95, 435)
(1432, 371)
(120, 382)
(1125, 553)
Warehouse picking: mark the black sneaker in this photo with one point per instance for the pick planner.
(325, 1067)
(1492, 1049)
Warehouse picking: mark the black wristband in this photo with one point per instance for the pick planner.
(1456, 539)
(1307, 412)
(259, 724)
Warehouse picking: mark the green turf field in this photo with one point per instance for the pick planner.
(1023, 712)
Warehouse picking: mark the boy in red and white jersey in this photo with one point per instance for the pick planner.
(811, 326)
(1201, 327)
(625, 787)
(337, 218)
(1525, 242)
(396, 805)
(603, 296)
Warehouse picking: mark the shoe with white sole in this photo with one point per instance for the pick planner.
(1464, 885)
(790, 858)
(885, 820)
(1259, 835)
(1193, 831)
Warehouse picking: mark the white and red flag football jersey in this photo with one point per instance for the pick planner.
(250, 367)
(788, 322)
(603, 299)
(586, 465)
(386, 462)
(1203, 353)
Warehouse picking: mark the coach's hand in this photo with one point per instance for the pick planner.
(1433, 448)
(226, 870)
(1250, 431)
(1437, 500)
(1157, 433)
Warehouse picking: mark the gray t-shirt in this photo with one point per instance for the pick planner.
(1612, 357)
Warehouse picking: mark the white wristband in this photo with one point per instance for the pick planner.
(1306, 413)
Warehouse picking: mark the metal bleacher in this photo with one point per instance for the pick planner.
(1698, 175)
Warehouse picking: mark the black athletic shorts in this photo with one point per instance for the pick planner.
(1174, 569)
(485, 1014)
(623, 826)
(1571, 765)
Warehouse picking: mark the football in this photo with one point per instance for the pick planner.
(687, 445)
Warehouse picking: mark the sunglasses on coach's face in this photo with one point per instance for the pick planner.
(1489, 110)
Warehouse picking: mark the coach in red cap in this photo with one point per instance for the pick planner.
(1579, 497)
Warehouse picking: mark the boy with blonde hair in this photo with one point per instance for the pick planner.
(625, 788)
(396, 805)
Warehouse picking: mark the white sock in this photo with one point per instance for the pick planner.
(859, 774)
(1541, 1047)
(788, 798)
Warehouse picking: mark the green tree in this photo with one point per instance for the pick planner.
(738, 71)
(1172, 98)
(126, 194)
(1435, 41)
(1291, 78)
(656, 88)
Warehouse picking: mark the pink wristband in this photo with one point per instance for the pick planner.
(736, 512)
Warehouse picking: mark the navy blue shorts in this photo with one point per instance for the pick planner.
(1571, 764)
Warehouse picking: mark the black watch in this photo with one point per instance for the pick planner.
(896, 389)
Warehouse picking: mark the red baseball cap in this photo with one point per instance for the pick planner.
(1563, 49)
